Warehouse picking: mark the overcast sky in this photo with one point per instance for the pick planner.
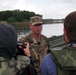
(48, 8)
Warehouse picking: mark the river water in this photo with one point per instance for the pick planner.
(48, 30)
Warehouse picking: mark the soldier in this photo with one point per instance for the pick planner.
(38, 42)
(63, 61)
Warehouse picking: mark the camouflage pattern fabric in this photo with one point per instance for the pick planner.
(38, 49)
(36, 20)
(11, 67)
(65, 60)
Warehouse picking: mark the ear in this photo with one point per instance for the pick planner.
(65, 36)
(65, 32)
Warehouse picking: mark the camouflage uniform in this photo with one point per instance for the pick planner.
(11, 67)
(65, 59)
(38, 49)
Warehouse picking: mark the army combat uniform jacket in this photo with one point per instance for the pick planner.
(65, 59)
(38, 49)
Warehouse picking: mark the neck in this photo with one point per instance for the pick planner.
(37, 36)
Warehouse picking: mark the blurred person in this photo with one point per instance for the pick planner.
(62, 60)
(8, 48)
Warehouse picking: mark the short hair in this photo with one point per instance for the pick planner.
(70, 26)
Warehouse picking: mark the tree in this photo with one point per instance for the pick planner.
(11, 19)
(17, 14)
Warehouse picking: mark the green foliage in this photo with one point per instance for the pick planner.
(18, 15)
(11, 20)
(25, 20)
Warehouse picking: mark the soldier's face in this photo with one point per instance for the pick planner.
(36, 28)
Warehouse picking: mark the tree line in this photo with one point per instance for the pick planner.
(16, 15)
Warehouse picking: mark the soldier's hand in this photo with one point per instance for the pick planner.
(26, 49)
